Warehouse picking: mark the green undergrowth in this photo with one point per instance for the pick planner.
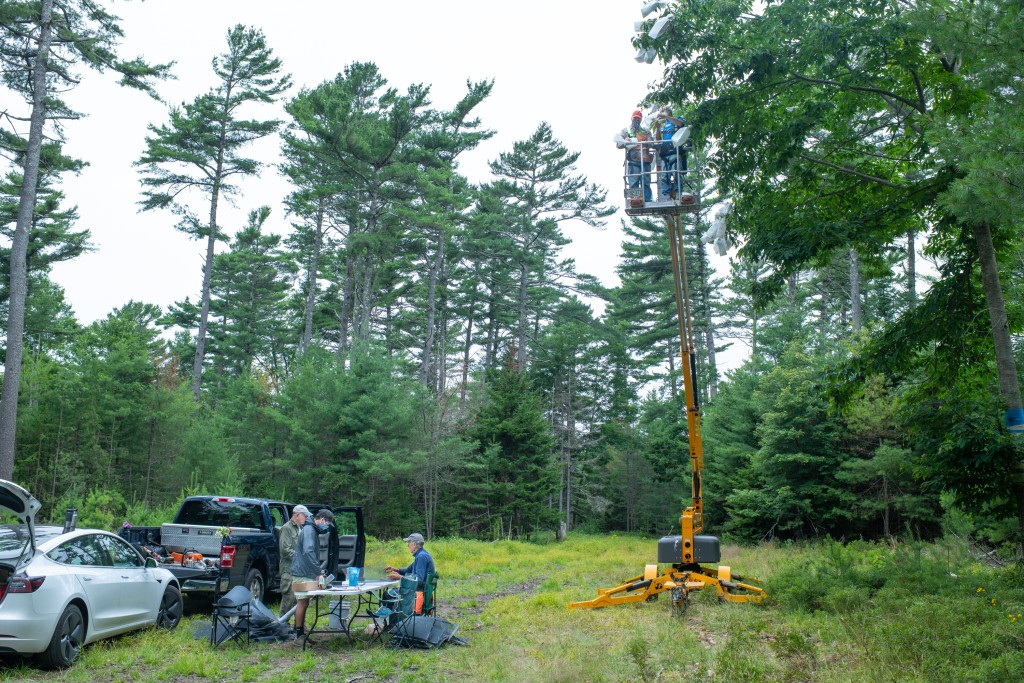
(854, 612)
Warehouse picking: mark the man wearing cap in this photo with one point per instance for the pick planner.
(286, 542)
(306, 563)
(422, 562)
(638, 157)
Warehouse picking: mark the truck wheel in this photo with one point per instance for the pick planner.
(255, 583)
(170, 609)
(66, 642)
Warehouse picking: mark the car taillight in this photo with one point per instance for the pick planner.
(25, 584)
(227, 556)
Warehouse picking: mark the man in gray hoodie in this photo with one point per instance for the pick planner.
(306, 565)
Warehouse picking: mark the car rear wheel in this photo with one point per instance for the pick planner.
(255, 583)
(66, 643)
(169, 615)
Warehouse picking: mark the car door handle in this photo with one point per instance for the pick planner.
(86, 578)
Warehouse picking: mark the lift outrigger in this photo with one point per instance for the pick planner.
(686, 552)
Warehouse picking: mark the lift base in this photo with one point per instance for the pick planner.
(680, 580)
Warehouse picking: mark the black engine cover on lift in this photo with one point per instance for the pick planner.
(706, 549)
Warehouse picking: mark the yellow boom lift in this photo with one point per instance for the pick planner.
(686, 553)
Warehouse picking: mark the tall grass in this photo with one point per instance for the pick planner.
(842, 613)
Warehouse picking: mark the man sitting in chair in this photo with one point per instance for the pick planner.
(422, 563)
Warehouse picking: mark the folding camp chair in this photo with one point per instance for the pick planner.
(422, 629)
(232, 617)
(395, 606)
(430, 595)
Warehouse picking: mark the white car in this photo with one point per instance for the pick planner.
(61, 589)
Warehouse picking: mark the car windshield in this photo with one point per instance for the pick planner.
(14, 539)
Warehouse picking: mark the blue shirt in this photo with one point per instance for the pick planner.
(422, 564)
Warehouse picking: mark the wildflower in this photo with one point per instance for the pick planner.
(993, 602)
(981, 589)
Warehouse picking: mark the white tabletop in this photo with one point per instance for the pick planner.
(342, 589)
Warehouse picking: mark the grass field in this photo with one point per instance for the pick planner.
(859, 612)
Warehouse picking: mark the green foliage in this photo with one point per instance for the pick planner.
(516, 449)
(640, 652)
(793, 491)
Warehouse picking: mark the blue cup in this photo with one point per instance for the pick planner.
(353, 576)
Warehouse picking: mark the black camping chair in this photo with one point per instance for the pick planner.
(423, 630)
(396, 606)
(232, 617)
(239, 617)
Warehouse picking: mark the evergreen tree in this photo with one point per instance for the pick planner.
(516, 449)
(794, 490)
(201, 149)
(250, 285)
(566, 370)
(364, 134)
(535, 181)
(40, 44)
(843, 130)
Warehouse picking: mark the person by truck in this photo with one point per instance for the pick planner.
(218, 542)
(287, 540)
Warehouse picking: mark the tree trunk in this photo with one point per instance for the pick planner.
(347, 305)
(911, 267)
(490, 358)
(211, 243)
(466, 348)
(521, 333)
(570, 420)
(204, 314)
(673, 387)
(366, 296)
(311, 277)
(1006, 366)
(428, 343)
(19, 248)
(855, 312)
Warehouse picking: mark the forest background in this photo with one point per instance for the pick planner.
(418, 344)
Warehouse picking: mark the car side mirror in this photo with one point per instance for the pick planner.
(150, 563)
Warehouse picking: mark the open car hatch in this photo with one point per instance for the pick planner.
(24, 506)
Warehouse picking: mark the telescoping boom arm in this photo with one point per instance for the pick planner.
(686, 552)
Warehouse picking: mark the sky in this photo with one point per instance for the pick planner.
(567, 62)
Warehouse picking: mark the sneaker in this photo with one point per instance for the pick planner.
(300, 631)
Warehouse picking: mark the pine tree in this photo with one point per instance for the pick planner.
(535, 181)
(40, 43)
(516, 450)
(201, 149)
(249, 289)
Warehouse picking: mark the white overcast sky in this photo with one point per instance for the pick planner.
(568, 62)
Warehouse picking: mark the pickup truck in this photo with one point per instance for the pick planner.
(218, 542)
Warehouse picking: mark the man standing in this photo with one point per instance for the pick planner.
(422, 562)
(638, 156)
(306, 563)
(672, 158)
(286, 542)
